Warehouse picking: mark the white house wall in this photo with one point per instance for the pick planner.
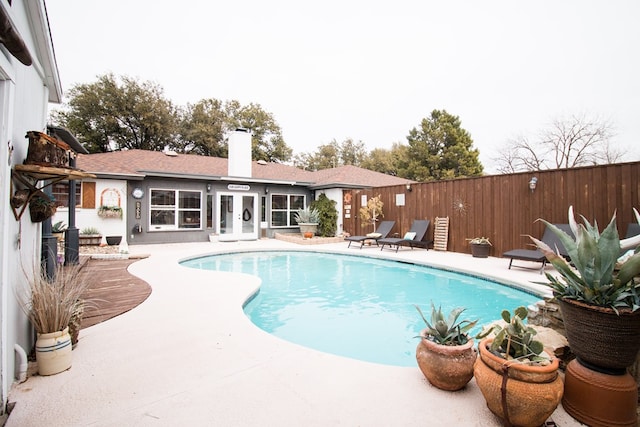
(24, 101)
(89, 217)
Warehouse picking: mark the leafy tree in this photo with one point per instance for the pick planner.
(333, 155)
(266, 140)
(328, 215)
(370, 213)
(203, 127)
(114, 114)
(570, 142)
(391, 162)
(441, 149)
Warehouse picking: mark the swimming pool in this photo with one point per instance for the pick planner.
(356, 306)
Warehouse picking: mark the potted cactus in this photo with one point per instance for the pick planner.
(446, 352)
(518, 380)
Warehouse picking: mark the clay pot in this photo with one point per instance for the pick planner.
(600, 400)
(448, 367)
(520, 394)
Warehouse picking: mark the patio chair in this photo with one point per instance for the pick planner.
(383, 231)
(633, 229)
(535, 255)
(412, 238)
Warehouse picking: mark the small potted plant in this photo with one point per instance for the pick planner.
(58, 230)
(480, 247)
(308, 220)
(90, 236)
(446, 353)
(517, 378)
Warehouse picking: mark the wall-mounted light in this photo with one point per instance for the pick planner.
(208, 188)
(266, 189)
(408, 187)
(533, 183)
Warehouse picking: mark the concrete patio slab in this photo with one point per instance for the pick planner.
(189, 356)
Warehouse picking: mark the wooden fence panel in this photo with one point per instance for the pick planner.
(503, 208)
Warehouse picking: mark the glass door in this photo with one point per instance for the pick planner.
(236, 216)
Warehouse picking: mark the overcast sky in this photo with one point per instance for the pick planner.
(371, 70)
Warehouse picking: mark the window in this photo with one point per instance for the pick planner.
(85, 194)
(175, 209)
(284, 207)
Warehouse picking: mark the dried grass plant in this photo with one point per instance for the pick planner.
(51, 303)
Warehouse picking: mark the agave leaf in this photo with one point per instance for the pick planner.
(453, 316)
(629, 269)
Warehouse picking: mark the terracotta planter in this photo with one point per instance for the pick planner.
(521, 395)
(480, 250)
(600, 338)
(448, 367)
(53, 352)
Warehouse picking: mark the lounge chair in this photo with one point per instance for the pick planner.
(383, 231)
(413, 237)
(633, 229)
(535, 255)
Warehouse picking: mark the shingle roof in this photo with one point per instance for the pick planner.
(137, 163)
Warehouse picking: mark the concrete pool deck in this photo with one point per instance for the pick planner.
(189, 356)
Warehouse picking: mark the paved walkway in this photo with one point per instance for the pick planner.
(189, 356)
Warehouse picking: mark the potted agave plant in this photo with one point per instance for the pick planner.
(446, 352)
(518, 380)
(480, 247)
(308, 220)
(600, 304)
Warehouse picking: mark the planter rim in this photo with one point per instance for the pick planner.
(441, 348)
(624, 311)
(485, 354)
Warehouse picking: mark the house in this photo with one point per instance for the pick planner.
(170, 197)
(28, 82)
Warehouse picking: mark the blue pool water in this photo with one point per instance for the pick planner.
(358, 307)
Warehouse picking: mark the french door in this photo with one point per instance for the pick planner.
(236, 216)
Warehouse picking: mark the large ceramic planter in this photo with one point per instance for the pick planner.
(521, 395)
(480, 250)
(600, 338)
(308, 227)
(448, 367)
(53, 352)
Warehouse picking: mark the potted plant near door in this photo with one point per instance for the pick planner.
(480, 247)
(307, 219)
(446, 352)
(519, 382)
(600, 304)
(50, 304)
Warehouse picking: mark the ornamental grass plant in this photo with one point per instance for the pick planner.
(51, 303)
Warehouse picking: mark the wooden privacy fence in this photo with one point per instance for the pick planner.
(503, 207)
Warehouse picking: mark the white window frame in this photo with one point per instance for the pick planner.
(176, 211)
(288, 209)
